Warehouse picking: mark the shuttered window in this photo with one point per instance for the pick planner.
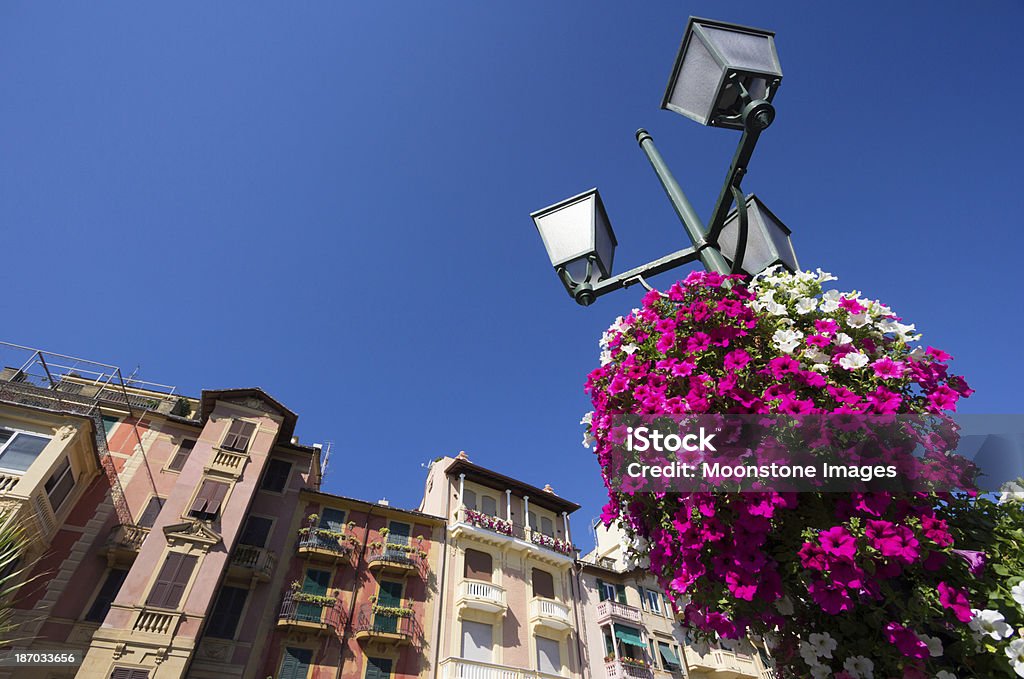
(208, 500)
(276, 476)
(607, 591)
(543, 584)
(129, 673)
(60, 484)
(549, 658)
(108, 592)
(479, 565)
(171, 581)
(177, 462)
(295, 664)
(488, 505)
(469, 499)
(238, 436)
(398, 533)
(227, 612)
(477, 641)
(151, 511)
(256, 531)
(378, 668)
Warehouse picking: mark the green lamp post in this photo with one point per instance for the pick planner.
(724, 75)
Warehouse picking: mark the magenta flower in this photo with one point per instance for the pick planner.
(888, 369)
(735, 360)
(955, 600)
(906, 641)
(838, 542)
(975, 560)
(851, 305)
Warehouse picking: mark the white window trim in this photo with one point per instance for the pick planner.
(14, 434)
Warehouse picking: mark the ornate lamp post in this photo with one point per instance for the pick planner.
(725, 75)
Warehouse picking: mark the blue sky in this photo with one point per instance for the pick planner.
(331, 200)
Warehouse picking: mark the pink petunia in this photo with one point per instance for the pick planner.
(888, 369)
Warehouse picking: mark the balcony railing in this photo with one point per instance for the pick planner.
(8, 480)
(723, 662)
(621, 669)
(458, 668)
(302, 610)
(259, 561)
(549, 542)
(394, 557)
(482, 596)
(608, 610)
(314, 540)
(512, 531)
(385, 623)
(550, 613)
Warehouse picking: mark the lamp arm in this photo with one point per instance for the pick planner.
(737, 169)
(741, 236)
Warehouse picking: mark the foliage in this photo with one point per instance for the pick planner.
(13, 545)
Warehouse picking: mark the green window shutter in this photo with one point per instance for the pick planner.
(620, 593)
(609, 648)
(378, 668)
(600, 590)
(332, 519)
(295, 664)
(316, 582)
(390, 594)
(399, 534)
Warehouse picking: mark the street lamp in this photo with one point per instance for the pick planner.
(725, 75)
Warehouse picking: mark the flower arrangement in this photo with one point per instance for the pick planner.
(552, 543)
(634, 662)
(489, 522)
(305, 597)
(853, 585)
(393, 611)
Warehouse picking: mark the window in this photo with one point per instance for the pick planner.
(669, 657)
(227, 611)
(549, 659)
(276, 476)
(478, 565)
(332, 519)
(171, 581)
(532, 517)
(238, 436)
(547, 527)
(108, 592)
(477, 641)
(398, 533)
(488, 505)
(109, 422)
(607, 591)
(208, 500)
(129, 673)
(256, 531)
(18, 450)
(177, 462)
(469, 499)
(60, 484)
(653, 601)
(543, 584)
(152, 510)
(378, 668)
(295, 664)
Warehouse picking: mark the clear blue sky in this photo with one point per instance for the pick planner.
(331, 200)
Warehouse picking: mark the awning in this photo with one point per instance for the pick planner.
(629, 635)
(668, 654)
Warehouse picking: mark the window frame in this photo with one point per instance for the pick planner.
(177, 453)
(234, 619)
(145, 508)
(238, 435)
(653, 601)
(15, 433)
(266, 538)
(96, 596)
(266, 475)
(68, 470)
(191, 512)
(185, 586)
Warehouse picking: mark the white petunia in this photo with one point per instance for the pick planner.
(990, 623)
(853, 361)
(830, 301)
(808, 654)
(1011, 491)
(842, 338)
(823, 644)
(1017, 592)
(1015, 652)
(859, 667)
(824, 276)
(857, 320)
(816, 355)
(587, 439)
(933, 643)
(821, 672)
(917, 355)
(606, 357)
(820, 367)
(945, 674)
(587, 418)
(806, 305)
(629, 348)
(787, 340)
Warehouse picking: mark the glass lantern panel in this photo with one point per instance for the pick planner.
(568, 232)
(744, 50)
(696, 86)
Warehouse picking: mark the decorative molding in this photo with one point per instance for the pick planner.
(253, 403)
(194, 532)
(64, 432)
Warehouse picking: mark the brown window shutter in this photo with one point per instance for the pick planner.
(181, 456)
(158, 594)
(202, 497)
(478, 565)
(181, 577)
(239, 434)
(139, 674)
(121, 673)
(543, 584)
(216, 496)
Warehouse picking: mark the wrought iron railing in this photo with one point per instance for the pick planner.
(297, 607)
(374, 619)
(405, 556)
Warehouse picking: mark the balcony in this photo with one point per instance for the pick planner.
(8, 480)
(613, 611)
(124, 544)
(481, 596)
(554, 544)
(457, 668)
(551, 614)
(321, 544)
(496, 531)
(156, 622)
(249, 562)
(384, 623)
(725, 664)
(623, 669)
(228, 462)
(394, 558)
(308, 613)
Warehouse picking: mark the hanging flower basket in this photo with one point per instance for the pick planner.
(850, 585)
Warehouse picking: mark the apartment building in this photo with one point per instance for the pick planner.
(631, 630)
(507, 595)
